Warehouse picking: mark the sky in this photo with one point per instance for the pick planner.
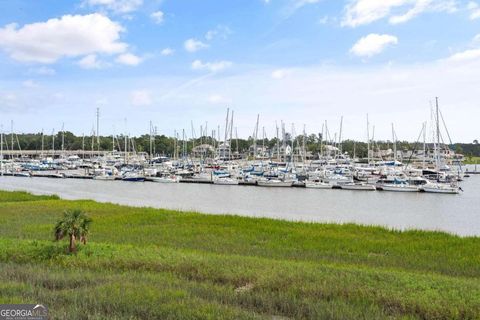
(180, 63)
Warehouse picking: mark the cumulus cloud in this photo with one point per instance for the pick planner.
(44, 71)
(69, 36)
(470, 54)
(361, 12)
(193, 45)
(157, 17)
(128, 59)
(218, 99)
(90, 62)
(280, 73)
(211, 66)
(117, 6)
(30, 84)
(373, 44)
(474, 9)
(219, 31)
(141, 98)
(473, 53)
(167, 52)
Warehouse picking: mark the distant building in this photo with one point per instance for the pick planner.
(203, 150)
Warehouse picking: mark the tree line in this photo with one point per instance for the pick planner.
(164, 145)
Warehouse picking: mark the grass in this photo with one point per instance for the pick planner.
(472, 160)
(149, 263)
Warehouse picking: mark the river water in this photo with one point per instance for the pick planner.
(457, 214)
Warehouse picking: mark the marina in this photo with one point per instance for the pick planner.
(457, 214)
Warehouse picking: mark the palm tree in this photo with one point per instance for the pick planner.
(75, 223)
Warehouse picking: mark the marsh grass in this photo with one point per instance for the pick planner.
(148, 263)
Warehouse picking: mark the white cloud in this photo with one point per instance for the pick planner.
(157, 17)
(211, 66)
(141, 98)
(69, 36)
(218, 99)
(476, 40)
(90, 62)
(167, 52)
(44, 71)
(117, 6)
(193, 45)
(280, 73)
(30, 84)
(373, 44)
(361, 12)
(470, 54)
(474, 9)
(219, 31)
(128, 59)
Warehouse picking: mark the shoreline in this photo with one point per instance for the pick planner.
(166, 264)
(273, 218)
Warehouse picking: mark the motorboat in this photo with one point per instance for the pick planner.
(317, 185)
(440, 188)
(133, 177)
(400, 187)
(226, 181)
(359, 186)
(169, 179)
(274, 183)
(104, 177)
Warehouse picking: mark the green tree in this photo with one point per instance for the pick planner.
(75, 224)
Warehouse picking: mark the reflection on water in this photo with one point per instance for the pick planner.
(459, 214)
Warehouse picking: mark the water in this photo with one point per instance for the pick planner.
(458, 214)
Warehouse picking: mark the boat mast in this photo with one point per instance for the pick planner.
(43, 143)
(438, 134)
(83, 145)
(53, 143)
(340, 136)
(424, 126)
(226, 133)
(63, 139)
(98, 131)
(368, 141)
(394, 144)
(1, 150)
(278, 142)
(151, 146)
(230, 142)
(255, 139)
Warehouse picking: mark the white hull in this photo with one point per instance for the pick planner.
(444, 190)
(104, 178)
(164, 180)
(362, 187)
(275, 183)
(226, 182)
(400, 188)
(317, 185)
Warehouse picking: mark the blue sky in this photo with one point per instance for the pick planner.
(300, 61)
